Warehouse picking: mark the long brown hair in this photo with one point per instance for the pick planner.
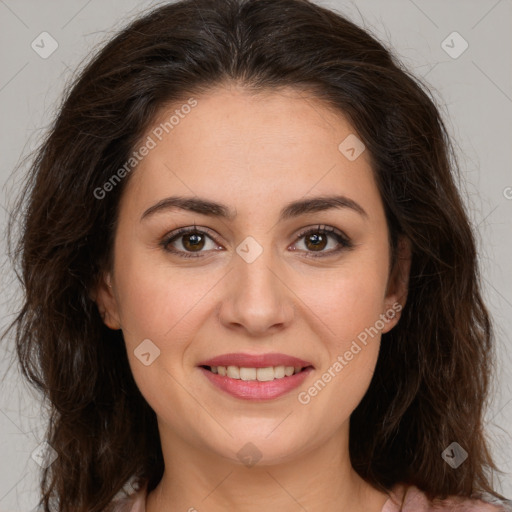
(430, 385)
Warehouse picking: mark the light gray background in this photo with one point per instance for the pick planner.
(474, 92)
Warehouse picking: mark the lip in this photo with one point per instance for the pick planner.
(255, 360)
(255, 390)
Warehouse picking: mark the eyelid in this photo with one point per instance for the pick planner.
(177, 233)
(324, 228)
(342, 239)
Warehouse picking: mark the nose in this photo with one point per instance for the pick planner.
(257, 300)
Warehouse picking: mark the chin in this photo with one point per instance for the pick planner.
(262, 449)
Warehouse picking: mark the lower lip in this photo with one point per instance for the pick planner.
(254, 389)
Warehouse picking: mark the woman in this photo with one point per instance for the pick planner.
(251, 283)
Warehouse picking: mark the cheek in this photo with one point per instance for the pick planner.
(347, 305)
(160, 303)
(349, 308)
(348, 300)
(149, 304)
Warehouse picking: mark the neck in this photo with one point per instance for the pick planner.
(319, 479)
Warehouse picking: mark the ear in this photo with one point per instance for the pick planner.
(398, 284)
(106, 301)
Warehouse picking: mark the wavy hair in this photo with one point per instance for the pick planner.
(432, 378)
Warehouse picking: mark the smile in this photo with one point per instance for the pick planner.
(248, 385)
(260, 374)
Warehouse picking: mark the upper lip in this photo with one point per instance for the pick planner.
(255, 360)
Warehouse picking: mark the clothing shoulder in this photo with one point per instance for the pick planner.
(128, 500)
(403, 498)
(408, 498)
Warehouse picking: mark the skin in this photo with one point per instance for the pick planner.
(255, 154)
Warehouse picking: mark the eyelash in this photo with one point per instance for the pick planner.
(346, 244)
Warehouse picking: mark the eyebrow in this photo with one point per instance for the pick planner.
(291, 210)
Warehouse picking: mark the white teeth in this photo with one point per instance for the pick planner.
(278, 372)
(233, 372)
(264, 374)
(289, 370)
(248, 373)
(261, 374)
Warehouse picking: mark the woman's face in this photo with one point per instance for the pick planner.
(259, 172)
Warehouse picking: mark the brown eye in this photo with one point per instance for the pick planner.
(193, 241)
(318, 238)
(189, 243)
(316, 241)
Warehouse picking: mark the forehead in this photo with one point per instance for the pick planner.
(233, 142)
(231, 120)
